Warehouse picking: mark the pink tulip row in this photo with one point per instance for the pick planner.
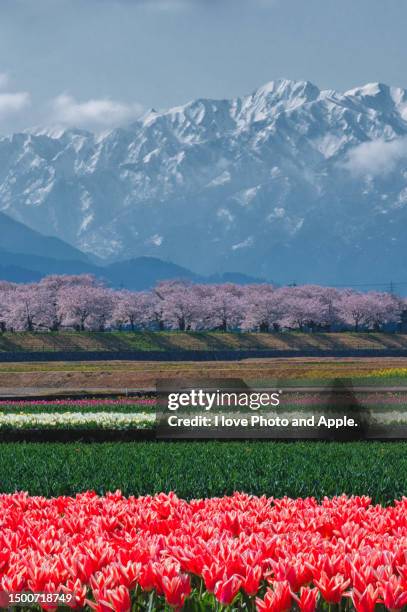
(77, 403)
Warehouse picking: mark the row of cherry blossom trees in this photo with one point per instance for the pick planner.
(84, 303)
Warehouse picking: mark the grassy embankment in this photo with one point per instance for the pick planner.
(205, 341)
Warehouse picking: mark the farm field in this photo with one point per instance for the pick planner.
(149, 526)
(153, 523)
(81, 487)
(42, 378)
(197, 341)
(83, 419)
(207, 469)
(82, 416)
(239, 552)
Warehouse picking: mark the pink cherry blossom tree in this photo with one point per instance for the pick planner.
(28, 308)
(83, 303)
(355, 308)
(264, 308)
(225, 307)
(86, 307)
(181, 308)
(6, 302)
(132, 309)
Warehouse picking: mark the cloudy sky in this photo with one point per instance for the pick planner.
(97, 63)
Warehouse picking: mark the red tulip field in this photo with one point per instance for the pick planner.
(229, 553)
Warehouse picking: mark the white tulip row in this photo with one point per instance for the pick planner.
(104, 420)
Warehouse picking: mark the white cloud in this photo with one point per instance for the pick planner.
(376, 157)
(13, 102)
(101, 112)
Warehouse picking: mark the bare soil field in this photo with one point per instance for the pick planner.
(119, 376)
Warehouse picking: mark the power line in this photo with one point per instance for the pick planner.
(391, 286)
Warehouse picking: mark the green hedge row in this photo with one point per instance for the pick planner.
(200, 469)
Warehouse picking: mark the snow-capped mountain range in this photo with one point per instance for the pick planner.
(288, 183)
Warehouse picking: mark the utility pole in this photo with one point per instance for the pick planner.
(391, 288)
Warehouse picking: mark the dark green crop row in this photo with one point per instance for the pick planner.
(201, 469)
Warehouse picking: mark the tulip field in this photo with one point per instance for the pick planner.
(137, 414)
(237, 552)
(197, 526)
(316, 529)
(68, 414)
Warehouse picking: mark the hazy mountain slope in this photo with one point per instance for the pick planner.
(289, 183)
(137, 274)
(18, 238)
(41, 256)
(16, 274)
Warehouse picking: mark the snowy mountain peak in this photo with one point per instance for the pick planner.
(286, 182)
(380, 97)
(276, 97)
(285, 89)
(369, 90)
